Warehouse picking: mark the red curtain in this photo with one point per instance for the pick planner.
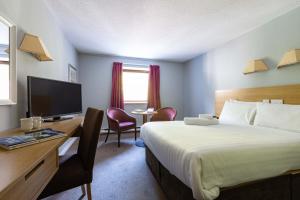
(117, 99)
(154, 87)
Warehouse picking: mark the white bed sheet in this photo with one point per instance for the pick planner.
(207, 158)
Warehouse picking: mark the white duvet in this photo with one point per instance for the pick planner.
(207, 158)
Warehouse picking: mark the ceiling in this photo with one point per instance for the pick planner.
(174, 30)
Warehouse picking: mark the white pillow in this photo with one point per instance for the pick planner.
(238, 101)
(282, 116)
(239, 113)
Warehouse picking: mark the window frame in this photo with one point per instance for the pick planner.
(11, 64)
(132, 69)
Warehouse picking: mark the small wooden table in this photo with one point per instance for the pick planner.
(145, 114)
(26, 171)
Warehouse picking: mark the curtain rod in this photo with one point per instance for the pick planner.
(144, 65)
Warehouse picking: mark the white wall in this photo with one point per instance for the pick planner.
(33, 16)
(222, 67)
(95, 76)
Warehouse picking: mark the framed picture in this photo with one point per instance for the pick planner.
(72, 74)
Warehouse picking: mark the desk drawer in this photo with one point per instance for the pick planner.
(38, 177)
(30, 186)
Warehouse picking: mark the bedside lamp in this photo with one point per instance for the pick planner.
(289, 58)
(255, 66)
(34, 45)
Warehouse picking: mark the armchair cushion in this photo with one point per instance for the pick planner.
(126, 124)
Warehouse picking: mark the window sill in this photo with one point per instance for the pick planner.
(135, 102)
(7, 103)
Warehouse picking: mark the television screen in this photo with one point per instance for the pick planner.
(51, 98)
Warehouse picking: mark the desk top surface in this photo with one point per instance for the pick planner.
(15, 164)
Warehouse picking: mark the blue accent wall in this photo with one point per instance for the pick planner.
(33, 16)
(95, 76)
(222, 68)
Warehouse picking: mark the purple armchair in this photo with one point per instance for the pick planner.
(119, 120)
(164, 114)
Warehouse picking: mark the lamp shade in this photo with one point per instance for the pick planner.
(34, 45)
(255, 66)
(289, 58)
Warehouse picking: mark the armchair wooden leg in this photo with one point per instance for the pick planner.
(107, 135)
(119, 138)
(89, 192)
(135, 133)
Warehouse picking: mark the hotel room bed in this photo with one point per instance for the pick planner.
(230, 162)
(209, 158)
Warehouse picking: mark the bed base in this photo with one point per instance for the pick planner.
(284, 187)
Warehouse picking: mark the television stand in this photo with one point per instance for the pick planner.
(56, 119)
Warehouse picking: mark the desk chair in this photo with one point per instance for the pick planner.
(77, 170)
(119, 120)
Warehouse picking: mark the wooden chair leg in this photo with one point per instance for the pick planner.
(89, 192)
(135, 133)
(83, 190)
(107, 135)
(119, 137)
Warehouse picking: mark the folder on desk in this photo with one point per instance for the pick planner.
(34, 137)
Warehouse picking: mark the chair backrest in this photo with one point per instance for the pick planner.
(164, 114)
(117, 114)
(89, 137)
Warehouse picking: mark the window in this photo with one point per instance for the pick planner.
(135, 84)
(8, 81)
(4, 80)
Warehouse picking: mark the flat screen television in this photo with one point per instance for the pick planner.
(53, 99)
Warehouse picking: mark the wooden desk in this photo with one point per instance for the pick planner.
(25, 172)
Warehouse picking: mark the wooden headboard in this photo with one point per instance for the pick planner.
(290, 94)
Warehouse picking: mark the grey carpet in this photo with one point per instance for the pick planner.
(119, 173)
